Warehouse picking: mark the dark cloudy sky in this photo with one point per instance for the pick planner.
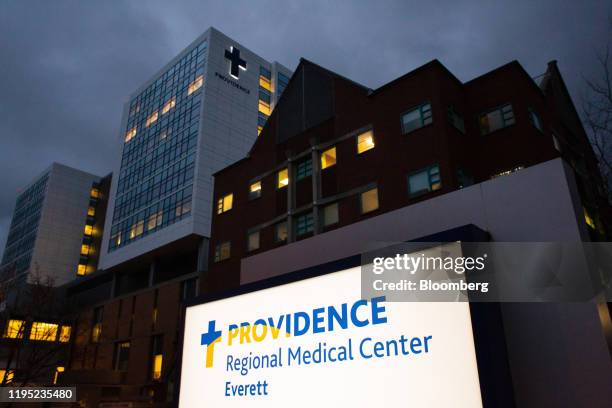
(66, 67)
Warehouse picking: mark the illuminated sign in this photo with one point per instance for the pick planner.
(316, 342)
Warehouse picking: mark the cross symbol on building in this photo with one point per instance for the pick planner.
(236, 63)
(209, 339)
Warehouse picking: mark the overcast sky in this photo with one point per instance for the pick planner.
(66, 67)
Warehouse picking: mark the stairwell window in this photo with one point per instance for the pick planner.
(496, 119)
(424, 181)
(416, 118)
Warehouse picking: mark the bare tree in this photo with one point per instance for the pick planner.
(597, 112)
(34, 341)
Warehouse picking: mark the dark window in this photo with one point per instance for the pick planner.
(96, 329)
(304, 224)
(263, 71)
(253, 241)
(497, 118)
(122, 355)
(222, 251)
(189, 288)
(303, 169)
(424, 181)
(456, 120)
(535, 120)
(416, 118)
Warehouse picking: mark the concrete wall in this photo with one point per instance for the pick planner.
(557, 352)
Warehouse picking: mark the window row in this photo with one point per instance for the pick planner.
(39, 331)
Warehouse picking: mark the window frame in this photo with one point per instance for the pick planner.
(505, 122)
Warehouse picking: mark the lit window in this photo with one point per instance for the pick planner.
(225, 203)
(253, 241)
(155, 220)
(65, 332)
(91, 211)
(588, 219)
(195, 85)
(136, 229)
(259, 129)
(96, 329)
(416, 118)
(283, 178)
(129, 135)
(304, 224)
(81, 270)
(265, 83)
(157, 366)
(369, 200)
(85, 249)
(328, 158)
(303, 169)
(264, 107)
(152, 119)
(456, 120)
(330, 214)
(58, 371)
(14, 329)
(116, 239)
(156, 357)
(169, 105)
(280, 232)
(94, 193)
(183, 208)
(535, 120)
(424, 181)
(43, 331)
(222, 251)
(88, 230)
(496, 119)
(365, 142)
(255, 190)
(9, 376)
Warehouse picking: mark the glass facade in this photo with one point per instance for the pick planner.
(155, 183)
(22, 233)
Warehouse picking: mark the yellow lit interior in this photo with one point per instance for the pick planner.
(81, 270)
(136, 229)
(283, 178)
(365, 142)
(328, 158)
(265, 83)
(94, 193)
(96, 331)
(259, 129)
(169, 105)
(85, 249)
(43, 331)
(264, 107)
(157, 366)
(195, 85)
(88, 230)
(129, 135)
(228, 202)
(369, 200)
(58, 370)
(14, 329)
(152, 119)
(9, 376)
(91, 211)
(255, 187)
(588, 219)
(65, 332)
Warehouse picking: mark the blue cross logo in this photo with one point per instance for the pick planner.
(209, 339)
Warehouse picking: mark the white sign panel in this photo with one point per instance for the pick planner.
(315, 343)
